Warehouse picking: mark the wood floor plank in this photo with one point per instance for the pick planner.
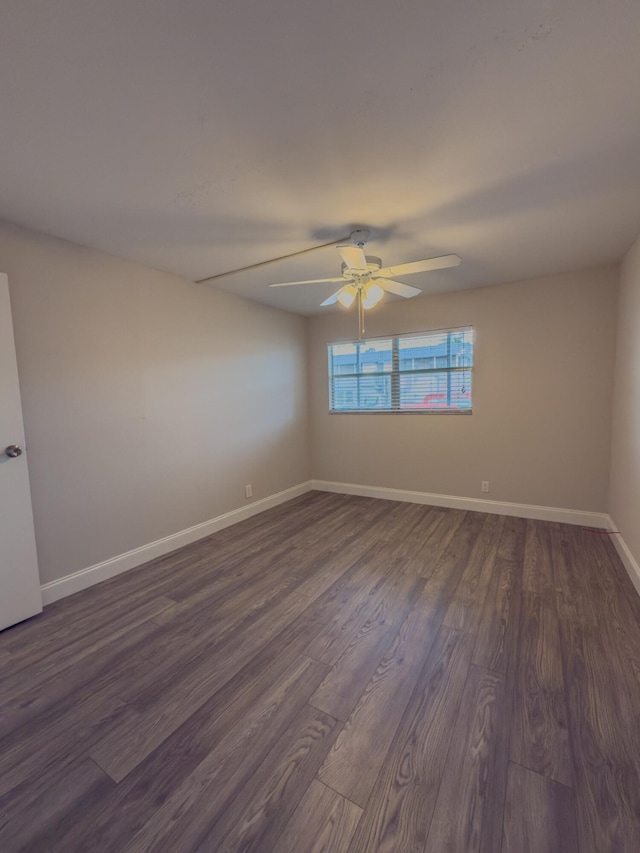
(498, 631)
(398, 813)
(163, 572)
(216, 563)
(326, 529)
(539, 737)
(353, 764)
(260, 811)
(342, 688)
(539, 815)
(604, 740)
(616, 612)
(538, 564)
(467, 602)
(217, 602)
(17, 679)
(38, 827)
(616, 566)
(468, 811)
(205, 624)
(339, 692)
(180, 649)
(447, 571)
(32, 639)
(332, 641)
(168, 708)
(323, 822)
(200, 799)
(253, 711)
(106, 672)
(437, 539)
(46, 744)
(573, 576)
(413, 532)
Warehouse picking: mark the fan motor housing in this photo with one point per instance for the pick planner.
(373, 265)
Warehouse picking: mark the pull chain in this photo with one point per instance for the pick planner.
(360, 314)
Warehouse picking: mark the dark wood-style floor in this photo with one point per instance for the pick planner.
(336, 674)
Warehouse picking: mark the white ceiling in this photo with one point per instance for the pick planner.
(198, 136)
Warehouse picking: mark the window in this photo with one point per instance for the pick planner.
(429, 372)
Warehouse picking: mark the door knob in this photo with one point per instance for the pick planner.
(13, 450)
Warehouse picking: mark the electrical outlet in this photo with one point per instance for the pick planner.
(248, 491)
(484, 487)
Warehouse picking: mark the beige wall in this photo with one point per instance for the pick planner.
(149, 401)
(540, 429)
(624, 494)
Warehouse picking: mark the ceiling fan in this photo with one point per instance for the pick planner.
(365, 280)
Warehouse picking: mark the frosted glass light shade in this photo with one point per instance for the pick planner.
(371, 295)
(347, 295)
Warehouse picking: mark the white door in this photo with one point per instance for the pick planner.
(19, 580)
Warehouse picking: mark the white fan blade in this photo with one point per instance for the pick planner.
(332, 299)
(310, 281)
(353, 256)
(440, 263)
(397, 287)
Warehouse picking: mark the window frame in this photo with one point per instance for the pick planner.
(396, 373)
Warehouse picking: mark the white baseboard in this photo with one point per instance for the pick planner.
(84, 578)
(543, 513)
(628, 560)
